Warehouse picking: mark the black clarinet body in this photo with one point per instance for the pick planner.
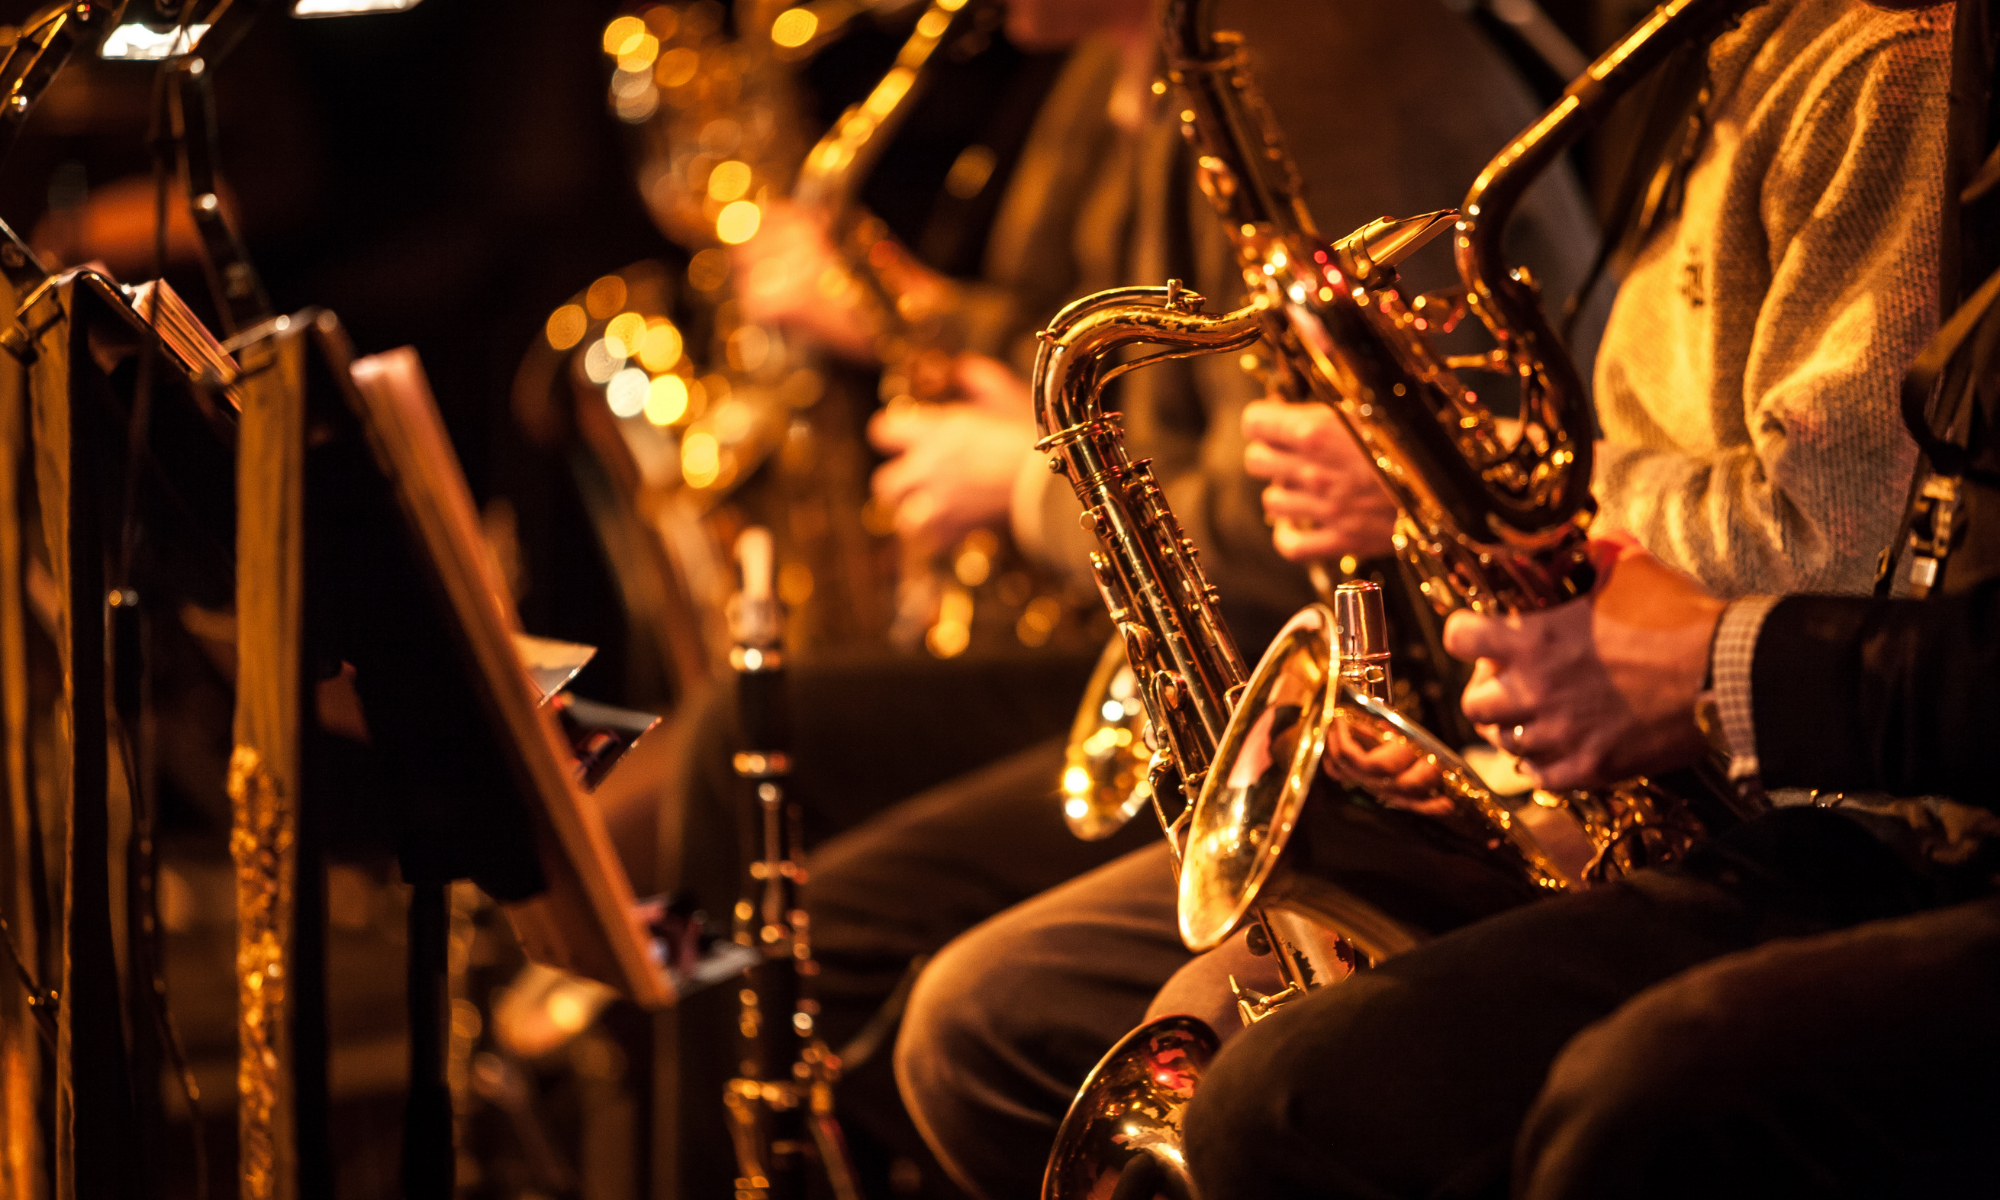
(788, 1143)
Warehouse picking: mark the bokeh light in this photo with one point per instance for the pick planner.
(661, 348)
(737, 223)
(666, 400)
(626, 393)
(567, 325)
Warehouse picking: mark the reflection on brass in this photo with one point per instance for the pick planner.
(261, 844)
(1105, 780)
(1183, 659)
(1408, 841)
(20, 1053)
(264, 767)
(1124, 1131)
(1490, 520)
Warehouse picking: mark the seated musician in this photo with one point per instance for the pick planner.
(1747, 387)
(1004, 1024)
(875, 737)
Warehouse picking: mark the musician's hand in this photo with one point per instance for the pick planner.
(1384, 766)
(954, 464)
(1324, 499)
(790, 275)
(1602, 688)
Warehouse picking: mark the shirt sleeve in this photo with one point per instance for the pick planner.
(1729, 661)
(1895, 696)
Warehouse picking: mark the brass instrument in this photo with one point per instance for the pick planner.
(755, 430)
(1412, 841)
(936, 596)
(1492, 522)
(1187, 673)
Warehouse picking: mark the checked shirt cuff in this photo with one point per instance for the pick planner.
(1729, 660)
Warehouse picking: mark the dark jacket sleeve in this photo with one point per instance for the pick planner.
(1898, 696)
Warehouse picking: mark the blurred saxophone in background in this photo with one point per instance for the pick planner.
(712, 423)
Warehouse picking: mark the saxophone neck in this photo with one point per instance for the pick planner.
(1507, 301)
(1677, 25)
(1078, 356)
(835, 168)
(1242, 162)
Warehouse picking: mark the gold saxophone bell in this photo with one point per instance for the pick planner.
(1407, 839)
(1106, 778)
(1122, 1136)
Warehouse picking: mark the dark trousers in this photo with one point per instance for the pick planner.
(887, 895)
(1008, 1020)
(1859, 1063)
(1416, 1079)
(867, 731)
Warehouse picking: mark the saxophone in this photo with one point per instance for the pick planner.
(1411, 841)
(753, 431)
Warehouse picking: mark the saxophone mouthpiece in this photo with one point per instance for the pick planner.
(1387, 241)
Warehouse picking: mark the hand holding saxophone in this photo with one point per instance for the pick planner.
(953, 466)
(1602, 688)
(1324, 499)
(788, 276)
(792, 275)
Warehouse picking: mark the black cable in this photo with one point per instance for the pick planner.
(144, 858)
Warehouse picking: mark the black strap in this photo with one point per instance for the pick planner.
(1939, 401)
(1649, 181)
(1943, 372)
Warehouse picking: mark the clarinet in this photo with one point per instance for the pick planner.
(781, 1103)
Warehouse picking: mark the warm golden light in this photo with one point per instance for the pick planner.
(737, 223)
(794, 28)
(973, 566)
(624, 333)
(728, 181)
(622, 35)
(639, 55)
(701, 459)
(661, 19)
(795, 583)
(605, 297)
(708, 270)
(676, 67)
(661, 348)
(748, 347)
(970, 171)
(566, 1011)
(1039, 621)
(567, 325)
(666, 400)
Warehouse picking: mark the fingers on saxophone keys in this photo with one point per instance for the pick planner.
(1295, 543)
(1299, 508)
(1471, 636)
(1493, 699)
(895, 428)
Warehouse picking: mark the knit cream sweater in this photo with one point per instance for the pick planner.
(1747, 382)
